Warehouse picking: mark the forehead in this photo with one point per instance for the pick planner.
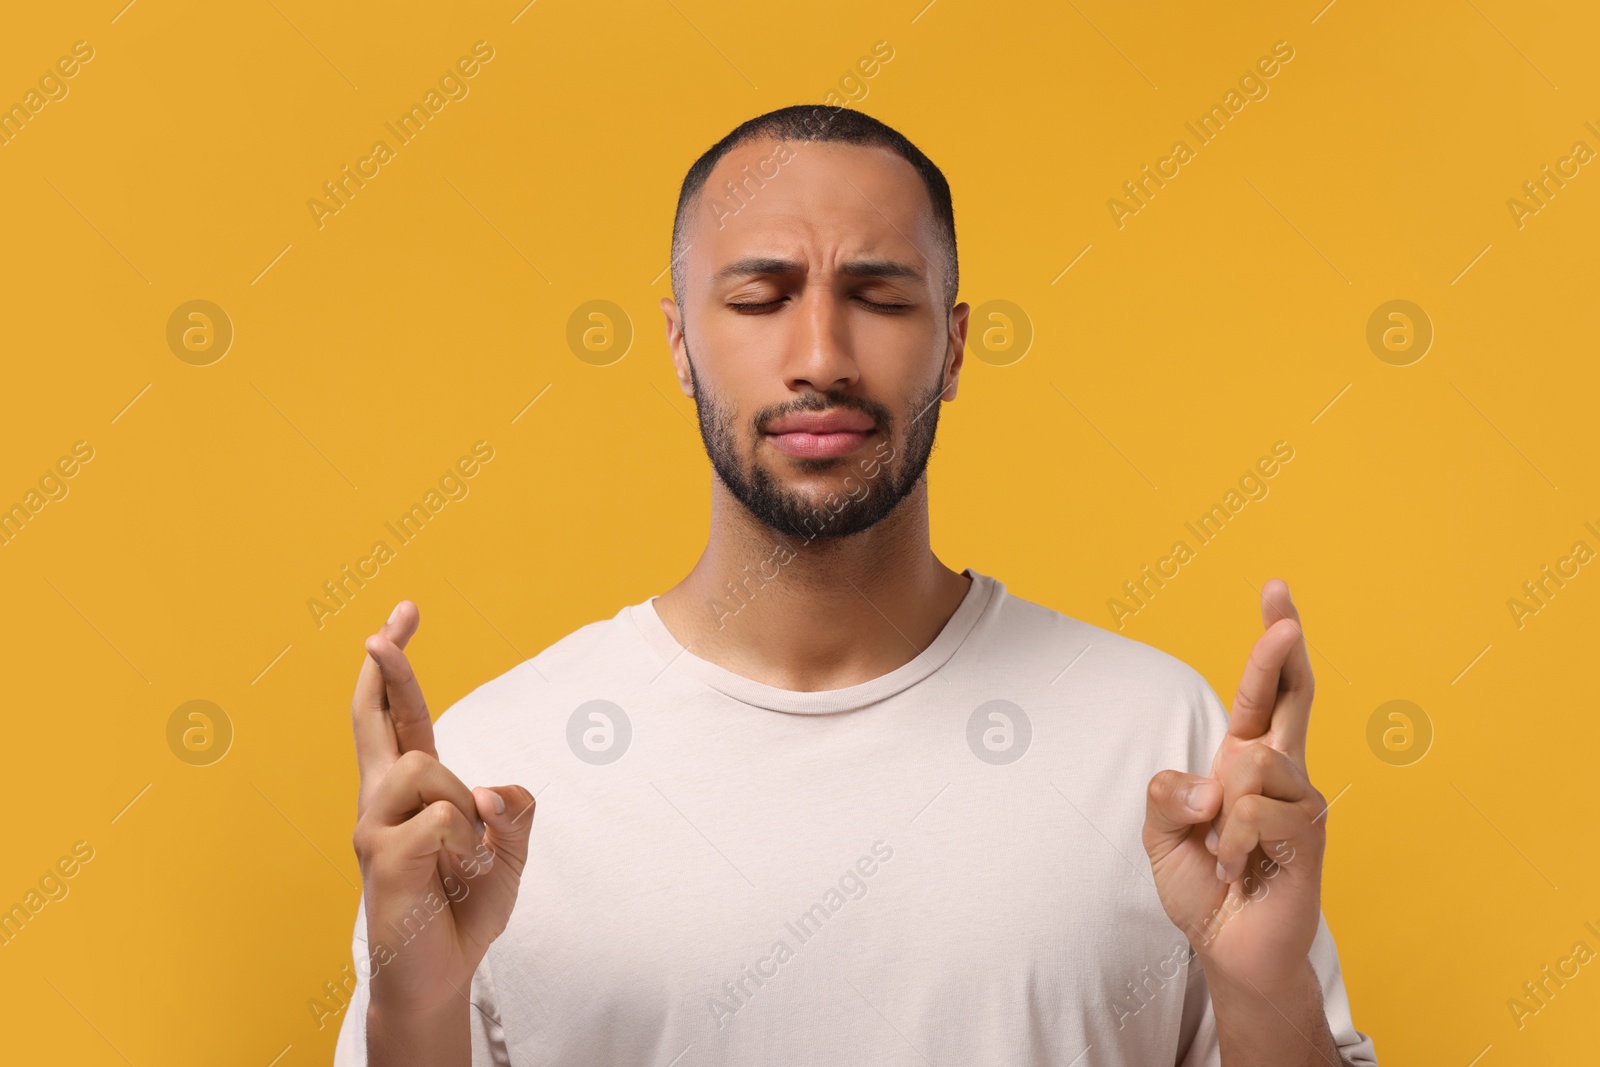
(816, 201)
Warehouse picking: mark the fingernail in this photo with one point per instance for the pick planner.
(1212, 840)
(478, 826)
(1200, 796)
(395, 614)
(499, 803)
(1222, 875)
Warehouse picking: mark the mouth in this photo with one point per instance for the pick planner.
(805, 445)
(821, 435)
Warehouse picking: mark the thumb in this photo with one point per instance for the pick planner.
(1174, 804)
(507, 814)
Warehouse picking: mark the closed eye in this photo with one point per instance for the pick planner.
(749, 308)
(882, 307)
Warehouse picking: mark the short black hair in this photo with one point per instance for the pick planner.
(820, 122)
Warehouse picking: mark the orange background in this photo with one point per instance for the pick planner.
(432, 309)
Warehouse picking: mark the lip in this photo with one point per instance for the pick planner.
(838, 420)
(821, 434)
(819, 445)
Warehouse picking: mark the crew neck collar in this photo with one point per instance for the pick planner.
(983, 596)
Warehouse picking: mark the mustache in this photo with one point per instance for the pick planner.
(879, 413)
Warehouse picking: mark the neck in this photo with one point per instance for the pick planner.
(818, 613)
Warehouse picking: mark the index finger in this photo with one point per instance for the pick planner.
(377, 746)
(1275, 693)
(408, 710)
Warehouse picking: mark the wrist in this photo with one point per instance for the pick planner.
(400, 1035)
(1297, 979)
(1272, 1022)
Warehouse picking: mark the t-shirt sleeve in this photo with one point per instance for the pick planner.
(1354, 1046)
(488, 1037)
(1204, 1049)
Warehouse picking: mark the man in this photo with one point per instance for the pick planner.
(826, 800)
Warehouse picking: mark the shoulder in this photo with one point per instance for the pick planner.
(1041, 633)
(1084, 665)
(500, 716)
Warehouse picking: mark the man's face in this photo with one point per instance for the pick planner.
(822, 343)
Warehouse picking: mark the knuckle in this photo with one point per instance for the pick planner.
(1261, 758)
(1244, 700)
(522, 807)
(441, 815)
(402, 667)
(413, 764)
(1162, 786)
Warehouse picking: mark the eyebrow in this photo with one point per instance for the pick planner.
(856, 268)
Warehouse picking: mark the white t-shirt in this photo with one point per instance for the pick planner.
(940, 865)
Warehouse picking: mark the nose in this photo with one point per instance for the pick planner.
(821, 352)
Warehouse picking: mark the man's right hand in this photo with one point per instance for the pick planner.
(440, 864)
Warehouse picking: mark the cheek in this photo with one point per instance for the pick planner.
(726, 406)
(922, 394)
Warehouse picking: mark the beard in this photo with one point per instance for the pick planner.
(793, 514)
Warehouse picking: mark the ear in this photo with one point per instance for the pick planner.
(957, 350)
(680, 356)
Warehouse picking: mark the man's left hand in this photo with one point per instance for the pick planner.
(1237, 854)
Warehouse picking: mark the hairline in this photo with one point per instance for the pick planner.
(774, 124)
